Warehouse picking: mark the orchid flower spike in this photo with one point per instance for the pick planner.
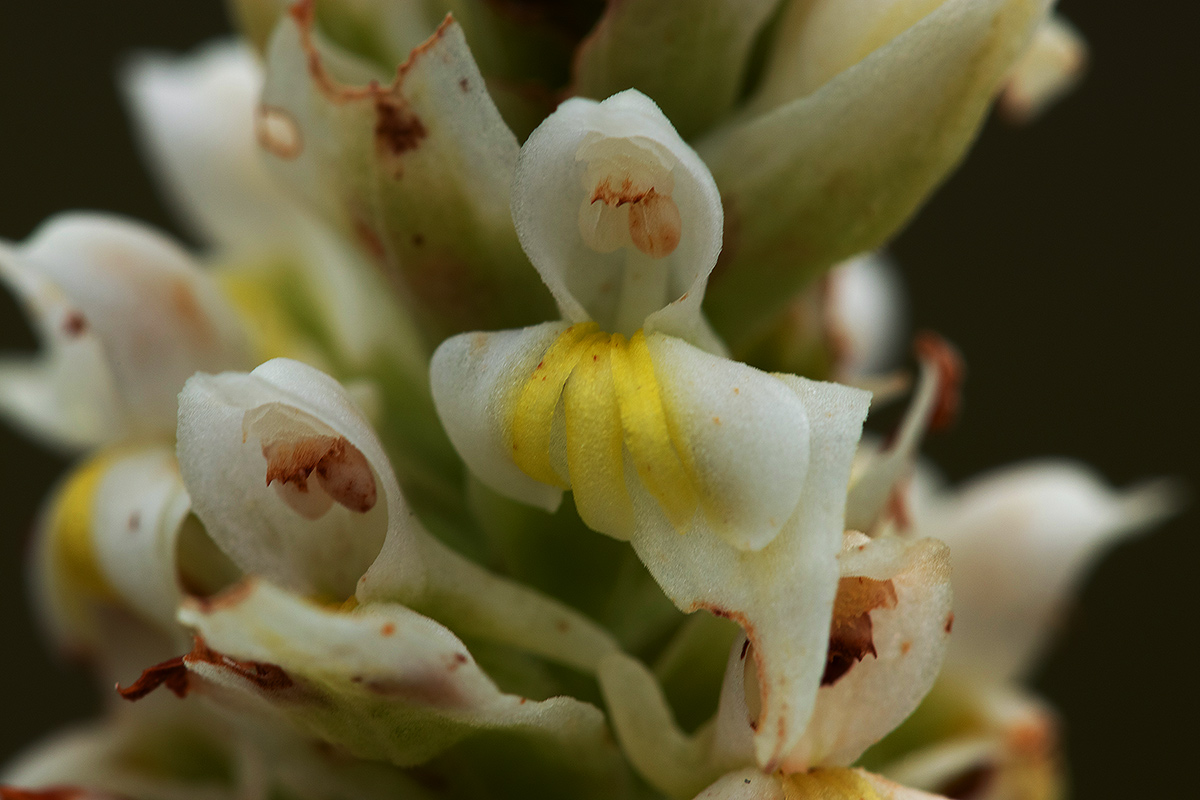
(729, 482)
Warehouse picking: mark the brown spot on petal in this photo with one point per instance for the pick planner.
(850, 636)
(341, 469)
(388, 629)
(278, 132)
(346, 476)
(950, 622)
(74, 324)
(397, 129)
(931, 347)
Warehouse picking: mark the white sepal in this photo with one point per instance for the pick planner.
(1021, 539)
(196, 119)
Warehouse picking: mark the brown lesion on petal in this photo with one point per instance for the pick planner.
(174, 673)
(655, 225)
(851, 638)
(397, 128)
(341, 470)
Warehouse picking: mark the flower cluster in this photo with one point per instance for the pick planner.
(506, 437)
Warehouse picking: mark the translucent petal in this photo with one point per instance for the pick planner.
(125, 317)
(1022, 537)
(827, 175)
(619, 216)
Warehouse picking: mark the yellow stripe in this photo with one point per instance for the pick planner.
(651, 447)
(594, 439)
(533, 413)
(71, 532)
(829, 784)
(611, 399)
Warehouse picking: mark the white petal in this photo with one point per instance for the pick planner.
(414, 167)
(908, 632)
(382, 682)
(244, 437)
(746, 784)
(1052, 66)
(620, 217)
(1021, 538)
(195, 116)
(114, 555)
(747, 439)
(473, 377)
(782, 594)
(867, 311)
(125, 317)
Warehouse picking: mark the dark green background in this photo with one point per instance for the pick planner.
(1062, 259)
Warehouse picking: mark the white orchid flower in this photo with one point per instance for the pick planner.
(887, 638)
(1052, 66)
(1020, 538)
(124, 316)
(728, 482)
(116, 552)
(291, 481)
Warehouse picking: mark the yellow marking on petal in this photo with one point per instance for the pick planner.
(71, 531)
(653, 449)
(611, 400)
(533, 413)
(594, 441)
(829, 784)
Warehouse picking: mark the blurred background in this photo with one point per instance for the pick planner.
(1062, 259)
